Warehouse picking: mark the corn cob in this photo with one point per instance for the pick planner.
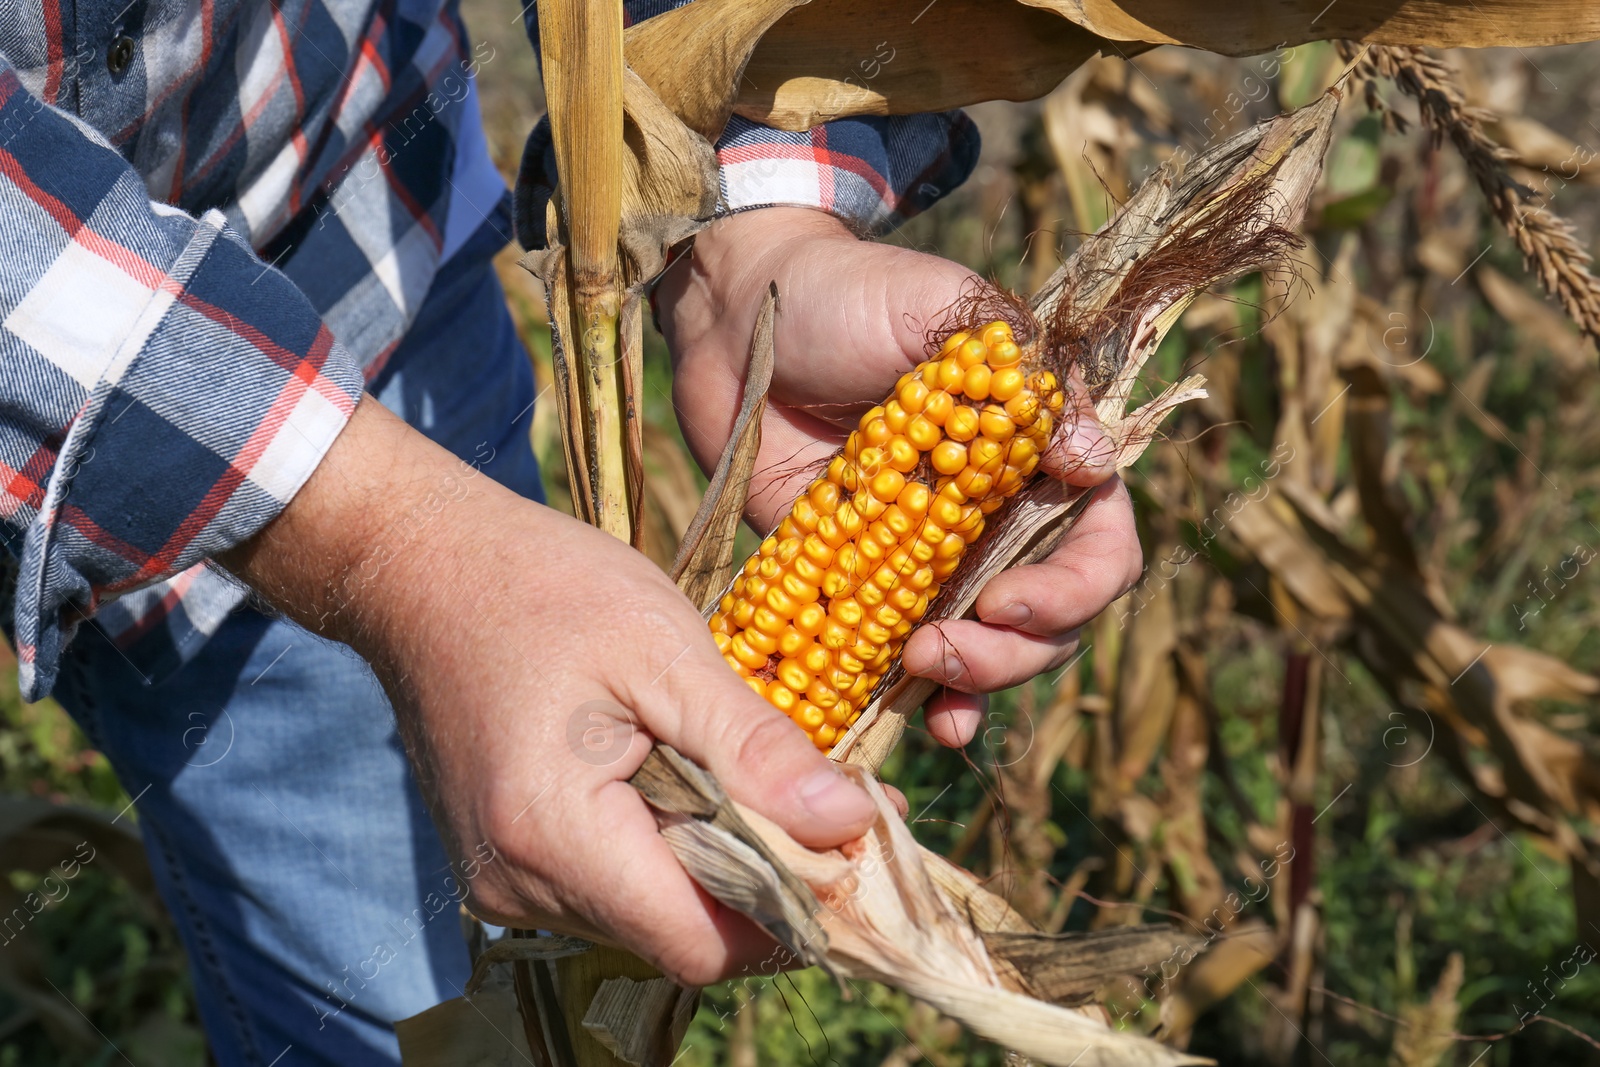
(820, 612)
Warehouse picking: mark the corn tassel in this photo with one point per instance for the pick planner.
(820, 612)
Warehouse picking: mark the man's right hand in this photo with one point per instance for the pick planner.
(532, 661)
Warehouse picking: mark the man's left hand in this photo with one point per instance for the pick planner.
(853, 316)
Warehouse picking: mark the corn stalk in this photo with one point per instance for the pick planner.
(581, 45)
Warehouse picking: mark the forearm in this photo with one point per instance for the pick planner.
(377, 536)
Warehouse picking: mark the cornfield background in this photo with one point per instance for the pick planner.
(1365, 638)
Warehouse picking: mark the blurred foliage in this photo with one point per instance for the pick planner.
(111, 980)
(1490, 461)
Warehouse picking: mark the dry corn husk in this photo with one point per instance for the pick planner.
(886, 919)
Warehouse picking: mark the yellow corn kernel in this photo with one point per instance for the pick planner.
(962, 425)
(951, 547)
(844, 473)
(1006, 384)
(923, 433)
(971, 481)
(887, 485)
(749, 657)
(824, 496)
(807, 571)
(1005, 354)
(781, 602)
(942, 510)
(995, 424)
(768, 621)
(903, 456)
(792, 642)
(810, 717)
(912, 394)
(822, 694)
(896, 416)
(914, 498)
(976, 382)
(836, 636)
(948, 457)
(972, 353)
(950, 374)
(987, 456)
(803, 592)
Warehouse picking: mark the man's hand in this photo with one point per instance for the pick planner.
(531, 660)
(853, 316)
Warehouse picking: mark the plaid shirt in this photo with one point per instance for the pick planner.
(218, 218)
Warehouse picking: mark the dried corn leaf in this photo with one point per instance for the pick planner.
(796, 65)
(482, 1029)
(885, 919)
(641, 1022)
(522, 949)
(834, 58)
(1216, 973)
(704, 566)
(1245, 27)
(669, 180)
(694, 56)
(1071, 967)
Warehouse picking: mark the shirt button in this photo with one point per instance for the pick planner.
(120, 54)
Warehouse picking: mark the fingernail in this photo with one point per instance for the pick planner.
(1088, 445)
(949, 668)
(1011, 615)
(832, 798)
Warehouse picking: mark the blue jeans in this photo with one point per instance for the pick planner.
(285, 830)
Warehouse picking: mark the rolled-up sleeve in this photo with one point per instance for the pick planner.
(163, 393)
(873, 173)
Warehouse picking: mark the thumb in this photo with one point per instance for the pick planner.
(764, 760)
(1081, 453)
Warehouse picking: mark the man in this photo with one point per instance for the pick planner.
(247, 316)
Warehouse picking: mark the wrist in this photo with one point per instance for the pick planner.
(741, 250)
